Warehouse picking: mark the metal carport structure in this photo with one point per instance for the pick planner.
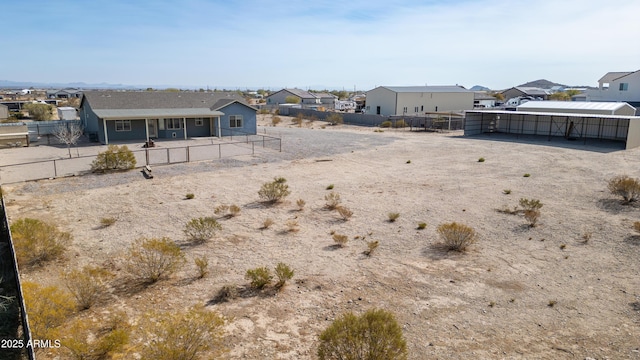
(571, 126)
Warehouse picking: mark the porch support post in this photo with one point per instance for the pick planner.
(106, 136)
(219, 128)
(146, 128)
(185, 127)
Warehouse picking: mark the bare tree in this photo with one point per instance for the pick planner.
(68, 133)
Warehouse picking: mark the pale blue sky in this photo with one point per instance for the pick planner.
(318, 44)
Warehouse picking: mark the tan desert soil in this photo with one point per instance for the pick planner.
(489, 303)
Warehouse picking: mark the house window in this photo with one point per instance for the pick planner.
(123, 125)
(415, 109)
(172, 124)
(199, 122)
(624, 86)
(235, 121)
(404, 109)
(421, 107)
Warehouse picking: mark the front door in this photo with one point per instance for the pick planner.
(153, 128)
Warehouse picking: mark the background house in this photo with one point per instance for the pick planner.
(417, 100)
(64, 94)
(483, 100)
(304, 97)
(617, 86)
(527, 92)
(126, 116)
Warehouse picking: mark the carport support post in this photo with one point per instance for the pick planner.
(582, 132)
(146, 129)
(106, 136)
(184, 120)
(219, 130)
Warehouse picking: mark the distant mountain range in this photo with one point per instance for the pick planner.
(542, 83)
(82, 85)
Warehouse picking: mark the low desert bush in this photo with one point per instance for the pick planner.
(202, 264)
(37, 241)
(292, 225)
(108, 221)
(344, 212)
(374, 335)
(526, 175)
(201, 229)
(275, 120)
(88, 285)
(298, 119)
(189, 196)
(267, 223)
(341, 240)
(456, 236)
(301, 203)
(400, 123)
(335, 119)
(259, 277)
(114, 158)
(84, 340)
(227, 211)
(227, 292)
(330, 187)
(151, 259)
(284, 273)
(393, 216)
(506, 191)
(332, 200)
(371, 247)
(481, 159)
(275, 191)
(532, 217)
(636, 226)
(530, 204)
(626, 187)
(48, 307)
(422, 226)
(385, 124)
(187, 334)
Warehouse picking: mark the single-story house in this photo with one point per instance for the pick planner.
(483, 100)
(571, 126)
(304, 97)
(325, 98)
(64, 94)
(526, 91)
(417, 100)
(142, 115)
(575, 107)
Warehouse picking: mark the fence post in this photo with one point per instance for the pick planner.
(188, 157)
(219, 151)
(168, 157)
(146, 153)
(252, 149)
(55, 169)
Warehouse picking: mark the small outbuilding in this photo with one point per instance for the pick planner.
(67, 113)
(4, 112)
(578, 107)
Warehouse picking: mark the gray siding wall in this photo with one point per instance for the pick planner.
(349, 118)
(88, 118)
(249, 124)
(138, 131)
(195, 131)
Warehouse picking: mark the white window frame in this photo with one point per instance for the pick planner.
(123, 125)
(235, 121)
(171, 123)
(199, 122)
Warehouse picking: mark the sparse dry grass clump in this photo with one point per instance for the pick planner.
(626, 187)
(227, 292)
(88, 285)
(422, 226)
(457, 237)
(393, 216)
(344, 212)
(341, 240)
(292, 226)
(201, 229)
(532, 217)
(153, 259)
(227, 211)
(107, 221)
(531, 210)
(202, 264)
(189, 196)
(37, 241)
(300, 203)
(636, 226)
(332, 200)
(371, 247)
(275, 191)
(275, 120)
(267, 223)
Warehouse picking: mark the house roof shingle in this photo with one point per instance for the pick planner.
(610, 76)
(113, 100)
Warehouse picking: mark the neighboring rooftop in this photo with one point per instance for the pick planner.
(573, 105)
(417, 89)
(159, 99)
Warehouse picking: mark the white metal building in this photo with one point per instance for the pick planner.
(417, 100)
(579, 107)
(67, 113)
(570, 126)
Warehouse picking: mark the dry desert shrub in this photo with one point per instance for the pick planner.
(84, 340)
(393, 216)
(48, 307)
(183, 334)
(341, 240)
(37, 241)
(114, 158)
(275, 120)
(227, 293)
(87, 285)
(201, 229)
(107, 221)
(275, 191)
(292, 226)
(284, 273)
(190, 196)
(227, 211)
(301, 203)
(344, 212)
(267, 223)
(335, 119)
(532, 217)
(626, 187)
(202, 264)
(259, 277)
(457, 237)
(530, 204)
(371, 247)
(150, 260)
(333, 200)
(374, 335)
(422, 226)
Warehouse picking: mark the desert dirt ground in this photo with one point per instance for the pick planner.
(492, 302)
